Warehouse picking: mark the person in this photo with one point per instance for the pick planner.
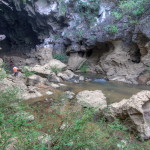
(16, 71)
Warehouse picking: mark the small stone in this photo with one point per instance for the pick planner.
(76, 81)
(49, 93)
(81, 78)
(69, 95)
(62, 84)
(55, 85)
(45, 139)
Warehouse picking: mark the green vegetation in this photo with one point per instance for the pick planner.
(135, 7)
(26, 72)
(62, 8)
(132, 8)
(62, 57)
(111, 28)
(55, 69)
(86, 9)
(8, 96)
(84, 68)
(117, 15)
(2, 74)
(79, 131)
(57, 36)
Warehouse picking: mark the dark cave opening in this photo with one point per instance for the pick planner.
(20, 35)
(98, 51)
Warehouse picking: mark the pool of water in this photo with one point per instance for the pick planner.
(114, 91)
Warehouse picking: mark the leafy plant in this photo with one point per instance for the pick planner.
(9, 95)
(55, 69)
(2, 73)
(62, 57)
(26, 72)
(84, 68)
(117, 15)
(111, 28)
(62, 8)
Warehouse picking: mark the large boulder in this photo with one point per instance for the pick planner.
(66, 75)
(75, 61)
(135, 110)
(35, 79)
(46, 69)
(92, 99)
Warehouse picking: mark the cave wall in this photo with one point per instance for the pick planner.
(81, 29)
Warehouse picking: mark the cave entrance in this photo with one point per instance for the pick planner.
(93, 55)
(19, 32)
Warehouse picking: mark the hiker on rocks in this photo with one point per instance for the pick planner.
(16, 71)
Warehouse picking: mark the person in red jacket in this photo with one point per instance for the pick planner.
(16, 71)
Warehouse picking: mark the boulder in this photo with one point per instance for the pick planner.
(56, 63)
(75, 61)
(81, 78)
(53, 78)
(45, 139)
(148, 83)
(136, 110)
(31, 93)
(63, 76)
(144, 78)
(1, 62)
(69, 95)
(45, 70)
(49, 93)
(92, 99)
(35, 79)
(16, 82)
(2, 37)
(55, 85)
(66, 75)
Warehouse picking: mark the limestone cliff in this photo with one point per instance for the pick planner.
(113, 36)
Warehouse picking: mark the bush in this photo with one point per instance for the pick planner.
(117, 15)
(62, 57)
(2, 73)
(84, 68)
(26, 72)
(111, 28)
(9, 95)
(55, 69)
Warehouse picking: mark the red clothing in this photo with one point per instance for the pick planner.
(15, 69)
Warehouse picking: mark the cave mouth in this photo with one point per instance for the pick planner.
(93, 55)
(19, 32)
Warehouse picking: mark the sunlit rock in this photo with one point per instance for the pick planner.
(135, 110)
(92, 99)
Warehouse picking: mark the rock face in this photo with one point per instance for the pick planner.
(136, 110)
(84, 35)
(92, 99)
(118, 64)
